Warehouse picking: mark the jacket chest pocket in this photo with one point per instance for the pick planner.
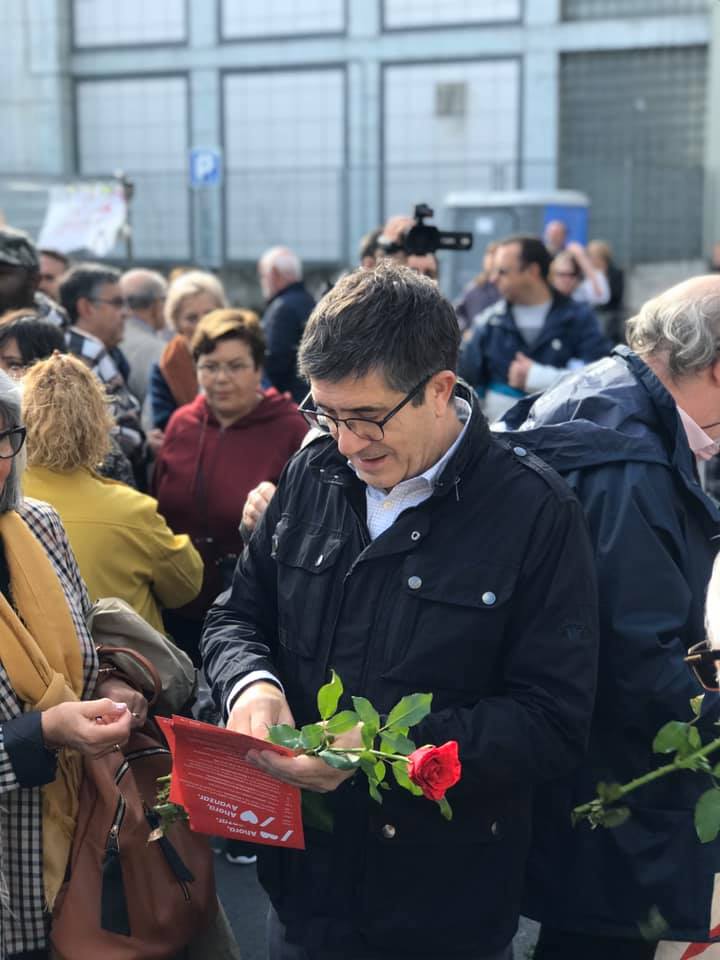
(448, 625)
(307, 568)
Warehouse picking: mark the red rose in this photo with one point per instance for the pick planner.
(435, 769)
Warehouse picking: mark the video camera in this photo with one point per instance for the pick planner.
(424, 238)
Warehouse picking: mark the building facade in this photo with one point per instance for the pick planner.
(330, 115)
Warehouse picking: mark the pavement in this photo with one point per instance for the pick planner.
(246, 906)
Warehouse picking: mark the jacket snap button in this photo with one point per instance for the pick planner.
(414, 583)
(388, 831)
(495, 828)
(415, 535)
(319, 559)
(520, 451)
(556, 344)
(489, 598)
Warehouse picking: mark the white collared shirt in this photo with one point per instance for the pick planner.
(383, 508)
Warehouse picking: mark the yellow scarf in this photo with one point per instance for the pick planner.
(40, 651)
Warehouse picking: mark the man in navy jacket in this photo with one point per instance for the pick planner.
(288, 307)
(629, 435)
(525, 342)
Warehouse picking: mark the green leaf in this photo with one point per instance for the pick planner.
(329, 696)
(672, 737)
(693, 739)
(655, 927)
(445, 808)
(367, 712)
(284, 735)
(311, 736)
(374, 792)
(379, 771)
(615, 817)
(716, 770)
(368, 735)
(609, 792)
(409, 711)
(342, 722)
(396, 743)
(341, 761)
(696, 704)
(368, 767)
(707, 815)
(399, 768)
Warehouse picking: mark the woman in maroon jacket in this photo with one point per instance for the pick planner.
(216, 449)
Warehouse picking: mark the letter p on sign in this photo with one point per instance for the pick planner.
(205, 167)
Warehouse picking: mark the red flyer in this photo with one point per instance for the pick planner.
(223, 794)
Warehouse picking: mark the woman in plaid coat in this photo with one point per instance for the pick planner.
(53, 706)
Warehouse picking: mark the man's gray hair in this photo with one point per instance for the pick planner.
(10, 495)
(141, 288)
(683, 334)
(285, 261)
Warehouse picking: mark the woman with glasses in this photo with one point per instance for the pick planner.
(123, 546)
(217, 448)
(53, 708)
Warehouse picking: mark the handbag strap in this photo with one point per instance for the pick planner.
(146, 665)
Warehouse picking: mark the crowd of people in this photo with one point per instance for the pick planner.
(531, 541)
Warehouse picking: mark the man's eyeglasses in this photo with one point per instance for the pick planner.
(11, 442)
(704, 661)
(117, 302)
(365, 429)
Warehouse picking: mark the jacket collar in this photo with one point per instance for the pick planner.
(554, 321)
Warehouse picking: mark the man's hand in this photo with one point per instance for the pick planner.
(91, 726)
(518, 371)
(259, 706)
(255, 506)
(308, 773)
(121, 692)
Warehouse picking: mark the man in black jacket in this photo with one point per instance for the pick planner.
(288, 307)
(411, 551)
(630, 434)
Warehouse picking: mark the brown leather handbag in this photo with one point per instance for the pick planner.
(126, 897)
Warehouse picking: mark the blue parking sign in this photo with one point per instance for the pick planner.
(205, 167)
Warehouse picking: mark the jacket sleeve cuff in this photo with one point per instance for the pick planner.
(252, 677)
(34, 765)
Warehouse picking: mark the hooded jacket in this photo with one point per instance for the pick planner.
(613, 432)
(204, 473)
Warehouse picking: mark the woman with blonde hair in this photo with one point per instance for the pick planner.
(123, 546)
(172, 381)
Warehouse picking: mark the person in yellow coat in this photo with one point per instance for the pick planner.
(123, 546)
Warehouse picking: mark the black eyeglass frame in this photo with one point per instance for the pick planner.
(13, 432)
(699, 654)
(311, 416)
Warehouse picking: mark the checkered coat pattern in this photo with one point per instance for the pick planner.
(23, 917)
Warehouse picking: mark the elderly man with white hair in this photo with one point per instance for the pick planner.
(630, 434)
(288, 307)
(144, 292)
